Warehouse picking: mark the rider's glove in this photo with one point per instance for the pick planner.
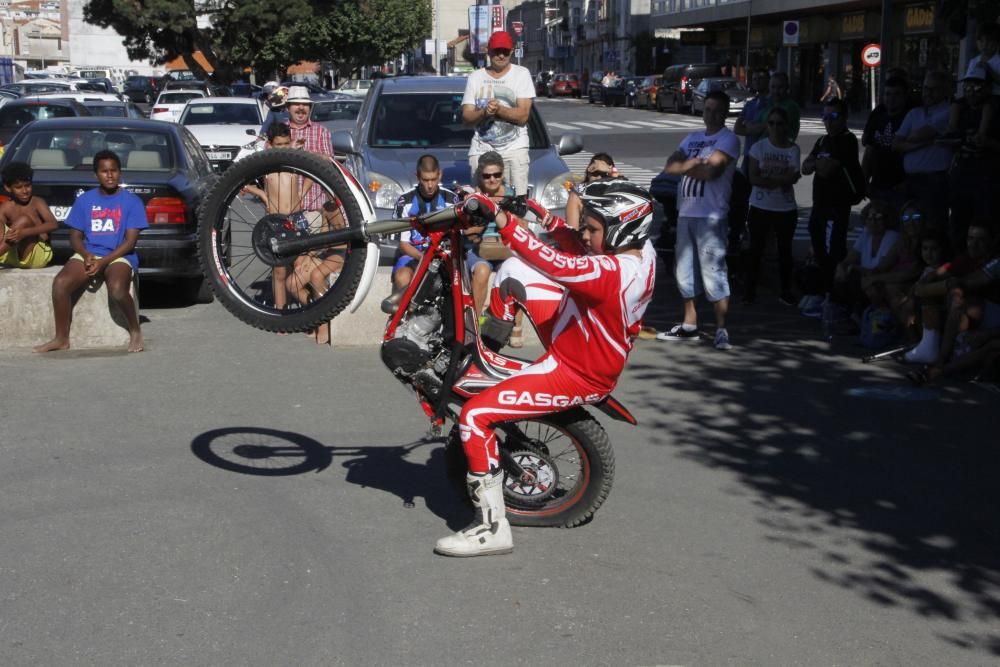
(478, 208)
(539, 211)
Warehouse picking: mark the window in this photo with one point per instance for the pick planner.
(221, 114)
(419, 121)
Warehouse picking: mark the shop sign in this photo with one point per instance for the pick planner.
(852, 25)
(918, 18)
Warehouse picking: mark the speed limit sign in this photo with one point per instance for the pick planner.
(871, 55)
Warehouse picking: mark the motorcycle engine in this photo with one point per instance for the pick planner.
(417, 354)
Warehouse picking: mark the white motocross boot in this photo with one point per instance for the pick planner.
(490, 533)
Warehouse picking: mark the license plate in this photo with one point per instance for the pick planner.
(219, 155)
(60, 212)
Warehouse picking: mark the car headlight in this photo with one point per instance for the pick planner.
(556, 192)
(383, 190)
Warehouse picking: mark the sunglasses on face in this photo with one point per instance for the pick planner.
(492, 175)
(500, 52)
(832, 115)
(910, 217)
(776, 123)
(594, 173)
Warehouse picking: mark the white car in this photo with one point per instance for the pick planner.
(355, 87)
(222, 125)
(170, 103)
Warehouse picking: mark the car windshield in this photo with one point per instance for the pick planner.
(339, 110)
(207, 113)
(177, 98)
(420, 120)
(22, 115)
(91, 74)
(74, 148)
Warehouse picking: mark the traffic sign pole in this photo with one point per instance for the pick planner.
(871, 56)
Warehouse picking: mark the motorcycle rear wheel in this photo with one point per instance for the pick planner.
(568, 458)
(233, 230)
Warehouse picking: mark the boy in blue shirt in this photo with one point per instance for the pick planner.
(104, 227)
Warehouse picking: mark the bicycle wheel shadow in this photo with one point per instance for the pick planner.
(267, 452)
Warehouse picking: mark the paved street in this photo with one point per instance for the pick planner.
(231, 497)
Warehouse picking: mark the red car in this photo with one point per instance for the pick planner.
(565, 84)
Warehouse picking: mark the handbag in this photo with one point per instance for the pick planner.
(492, 249)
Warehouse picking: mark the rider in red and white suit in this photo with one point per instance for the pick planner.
(588, 335)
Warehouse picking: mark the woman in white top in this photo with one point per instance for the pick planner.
(869, 255)
(774, 170)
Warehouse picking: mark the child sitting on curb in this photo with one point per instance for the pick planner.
(25, 221)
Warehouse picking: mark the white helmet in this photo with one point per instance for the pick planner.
(625, 209)
(269, 86)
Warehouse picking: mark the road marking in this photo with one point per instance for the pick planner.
(646, 122)
(560, 126)
(596, 126)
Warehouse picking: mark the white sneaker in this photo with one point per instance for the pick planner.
(722, 340)
(918, 355)
(490, 533)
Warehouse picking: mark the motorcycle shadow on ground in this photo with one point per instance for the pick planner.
(266, 452)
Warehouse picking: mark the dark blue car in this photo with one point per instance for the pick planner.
(162, 163)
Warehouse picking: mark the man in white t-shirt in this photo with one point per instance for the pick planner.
(497, 101)
(706, 162)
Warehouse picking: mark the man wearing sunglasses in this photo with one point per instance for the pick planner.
(497, 102)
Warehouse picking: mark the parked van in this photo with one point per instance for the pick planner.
(115, 74)
(679, 82)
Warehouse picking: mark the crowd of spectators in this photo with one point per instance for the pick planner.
(923, 274)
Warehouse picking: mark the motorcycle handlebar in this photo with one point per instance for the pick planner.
(441, 218)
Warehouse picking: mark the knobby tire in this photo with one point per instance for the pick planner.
(215, 264)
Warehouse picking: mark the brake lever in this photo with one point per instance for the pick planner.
(518, 205)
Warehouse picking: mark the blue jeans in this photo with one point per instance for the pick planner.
(701, 258)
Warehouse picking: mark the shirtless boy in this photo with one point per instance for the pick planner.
(25, 221)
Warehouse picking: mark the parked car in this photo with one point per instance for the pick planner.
(336, 114)
(6, 96)
(352, 87)
(163, 165)
(542, 80)
(244, 89)
(645, 92)
(736, 91)
(142, 88)
(112, 75)
(563, 84)
(15, 114)
(596, 89)
(170, 104)
(52, 85)
(113, 109)
(209, 89)
(405, 117)
(681, 80)
(222, 125)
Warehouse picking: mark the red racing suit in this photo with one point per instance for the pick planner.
(590, 331)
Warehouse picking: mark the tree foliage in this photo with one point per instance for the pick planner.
(265, 34)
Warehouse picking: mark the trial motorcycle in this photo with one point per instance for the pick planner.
(558, 468)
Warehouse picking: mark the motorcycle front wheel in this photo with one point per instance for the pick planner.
(280, 193)
(558, 468)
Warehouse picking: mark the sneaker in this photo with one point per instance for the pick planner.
(646, 333)
(813, 307)
(787, 299)
(722, 340)
(678, 333)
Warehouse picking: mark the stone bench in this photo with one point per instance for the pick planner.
(27, 319)
(367, 325)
